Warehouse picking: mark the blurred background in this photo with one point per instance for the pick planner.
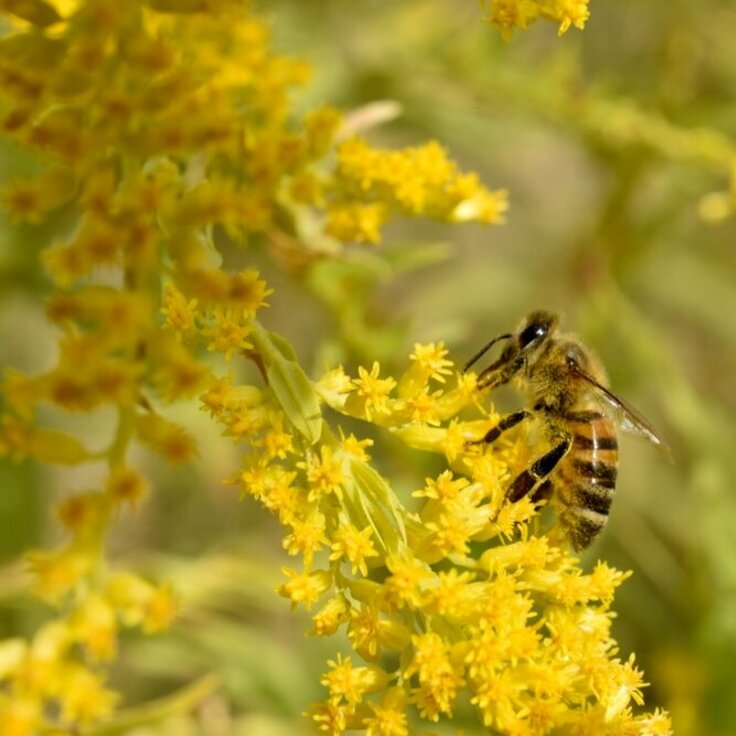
(616, 145)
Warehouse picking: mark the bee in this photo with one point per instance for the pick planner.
(567, 391)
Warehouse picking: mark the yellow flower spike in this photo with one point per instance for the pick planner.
(56, 573)
(94, 627)
(332, 719)
(510, 519)
(372, 394)
(455, 441)
(371, 634)
(349, 683)
(438, 677)
(127, 486)
(422, 407)
(529, 634)
(83, 697)
(32, 200)
(179, 374)
(511, 14)
(405, 585)
(117, 317)
(20, 715)
(305, 587)
(423, 437)
(84, 514)
(307, 536)
(247, 291)
(625, 685)
(534, 553)
(334, 388)
(180, 313)
(444, 488)
(228, 333)
(360, 223)
(355, 545)
(355, 448)
(414, 181)
(325, 473)
(389, 717)
(450, 597)
(328, 619)
(50, 642)
(451, 533)
(320, 127)
(508, 15)
(12, 654)
(275, 442)
(517, 629)
(222, 397)
(160, 609)
(475, 203)
(22, 393)
(248, 423)
(428, 361)
(604, 580)
(658, 724)
(165, 437)
(568, 13)
(272, 485)
(130, 596)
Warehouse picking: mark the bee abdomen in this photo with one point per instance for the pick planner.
(595, 442)
(599, 472)
(586, 481)
(582, 525)
(593, 497)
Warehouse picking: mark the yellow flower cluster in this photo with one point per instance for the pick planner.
(158, 134)
(509, 15)
(372, 184)
(458, 600)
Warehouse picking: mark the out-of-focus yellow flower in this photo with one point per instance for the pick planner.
(508, 15)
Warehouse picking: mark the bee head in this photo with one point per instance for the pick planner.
(522, 348)
(534, 330)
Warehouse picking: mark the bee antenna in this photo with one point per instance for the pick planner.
(484, 350)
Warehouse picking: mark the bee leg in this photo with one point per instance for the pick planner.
(510, 420)
(528, 480)
(493, 376)
(543, 492)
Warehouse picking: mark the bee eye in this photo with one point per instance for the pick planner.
(532, 333)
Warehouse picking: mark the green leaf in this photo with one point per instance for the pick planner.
(370, 499)
(290, 383)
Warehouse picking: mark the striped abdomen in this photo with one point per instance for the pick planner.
(585, 480)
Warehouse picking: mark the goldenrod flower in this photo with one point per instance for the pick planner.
(164, 128)
(355, 545)
(305, 588)
(372, 392)
(349, 683)
(510, 14)
(324, 473)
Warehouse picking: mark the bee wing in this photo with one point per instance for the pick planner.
(630, 419)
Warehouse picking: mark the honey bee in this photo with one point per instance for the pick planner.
(566, 388)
